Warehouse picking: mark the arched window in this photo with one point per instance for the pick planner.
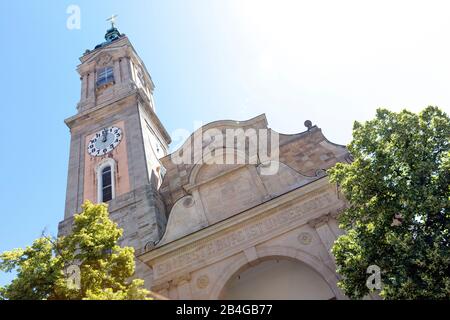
(106, 184)
(105, 181)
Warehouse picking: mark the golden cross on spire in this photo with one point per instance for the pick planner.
(112, 19)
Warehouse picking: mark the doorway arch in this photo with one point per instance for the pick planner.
(277, 278)
(308, 263)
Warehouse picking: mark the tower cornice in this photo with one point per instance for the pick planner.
(91, 113)
(94, 113)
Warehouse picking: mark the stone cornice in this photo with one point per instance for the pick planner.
(234, 220)
(317, 222)
(161, 286)
(92, 112)
(87, 57)
(186, 277)
(136, 93)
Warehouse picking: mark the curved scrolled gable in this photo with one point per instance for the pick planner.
(219, 191)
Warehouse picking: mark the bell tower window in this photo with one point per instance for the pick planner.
(106, 184)
(105, 76)
(105, 180)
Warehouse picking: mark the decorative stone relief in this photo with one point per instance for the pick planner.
(103, 60)
(188, 202)
(305, 238)
(202, 281)
(181, 279)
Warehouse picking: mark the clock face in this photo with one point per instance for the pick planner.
(104, 141)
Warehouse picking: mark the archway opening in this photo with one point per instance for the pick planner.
(277, 279)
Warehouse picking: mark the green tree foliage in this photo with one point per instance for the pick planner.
(398, 189)
(104, 267)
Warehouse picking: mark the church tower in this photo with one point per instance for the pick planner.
(116, 142)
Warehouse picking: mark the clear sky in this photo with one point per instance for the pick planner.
(332, 62)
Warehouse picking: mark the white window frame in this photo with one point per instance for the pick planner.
(105, 163)
(103, 74)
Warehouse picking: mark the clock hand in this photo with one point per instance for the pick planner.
(104, 135)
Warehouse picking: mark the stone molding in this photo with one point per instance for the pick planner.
(161, 287)
(237, 233)
(181, 279)
(259, 121)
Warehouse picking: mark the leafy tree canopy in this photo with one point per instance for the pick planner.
(398, 190)
(86, 264)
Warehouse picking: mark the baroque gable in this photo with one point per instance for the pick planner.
(216, 192)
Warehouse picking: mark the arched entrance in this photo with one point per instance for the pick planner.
(277, 278)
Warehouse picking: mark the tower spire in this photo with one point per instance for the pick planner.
(112, 33)
(112, 19)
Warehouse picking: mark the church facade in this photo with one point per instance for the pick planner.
(211, 220)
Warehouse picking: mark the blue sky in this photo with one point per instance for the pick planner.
(332, 62)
